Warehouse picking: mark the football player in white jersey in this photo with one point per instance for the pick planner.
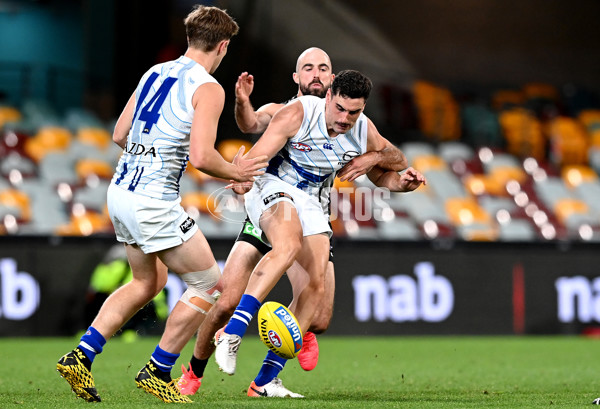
(170, 119)
(314, 76)
(284, 203)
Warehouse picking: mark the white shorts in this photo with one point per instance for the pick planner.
(269, 190)
(152, 224)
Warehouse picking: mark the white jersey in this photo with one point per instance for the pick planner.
(311, 158)
(158, 143)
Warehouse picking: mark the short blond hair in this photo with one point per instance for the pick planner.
(207, 26)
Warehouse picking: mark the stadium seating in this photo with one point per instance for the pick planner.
(85, 223)
(17, 200)
(230, 147)
(569, 141)
(437, 111)
(85, 168)
(517, 164)
(9, 114)
(523, 133)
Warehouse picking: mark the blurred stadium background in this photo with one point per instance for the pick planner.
(497, 103)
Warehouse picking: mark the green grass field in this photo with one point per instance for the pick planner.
(353, 372)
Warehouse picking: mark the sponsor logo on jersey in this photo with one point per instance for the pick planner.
(187, 225)
(301, 146)
(347, 157)
(139, 149)
(328, 146)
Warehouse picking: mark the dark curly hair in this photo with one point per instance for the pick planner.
(351, 84)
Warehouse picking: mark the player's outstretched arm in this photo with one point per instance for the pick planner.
(285, 124)
(247, 119)
(208, 104)
(407, 181)
(123, 124)
(380, 152)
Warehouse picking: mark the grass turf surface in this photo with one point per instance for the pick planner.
(353, 372)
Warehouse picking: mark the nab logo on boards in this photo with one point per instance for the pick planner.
(20, 292)
(578, 299)
(402, 298)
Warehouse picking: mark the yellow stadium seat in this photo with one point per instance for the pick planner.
(202, 201)
(85, 224)
(595, 137)
(569, 141)
(199, 176)
(18, 199)
(590, 118)
(523, 133)
(46, 140)
(438, 111)
(564, 208)
(485, 233)
(100, 168)
(479, 184)
(466, 211)
(230, 147)
(540, 90)
(34, 149)
(574, 175)
(54, 138)
(424, 163)
(504, 174)
(9, 114)
(98, 137)
(506, 98)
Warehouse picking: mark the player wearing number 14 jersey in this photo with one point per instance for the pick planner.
(170, 119)
(157, 151)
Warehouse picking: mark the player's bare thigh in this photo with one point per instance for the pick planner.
(283, 229)
(282, 226)
(190, 256)
(146, 267)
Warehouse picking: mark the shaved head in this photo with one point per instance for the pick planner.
(313, 53)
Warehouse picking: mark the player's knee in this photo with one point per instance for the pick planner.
(286, 251)
(148, 289)
(201, 293)
(316, 288)
(224, 308)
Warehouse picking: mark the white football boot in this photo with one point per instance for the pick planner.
(226, 352)
(273, 389)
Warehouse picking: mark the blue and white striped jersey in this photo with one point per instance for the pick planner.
(158, 143)
(311, 157)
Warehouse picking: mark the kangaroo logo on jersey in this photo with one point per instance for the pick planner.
(301, 146)
(139, 149)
